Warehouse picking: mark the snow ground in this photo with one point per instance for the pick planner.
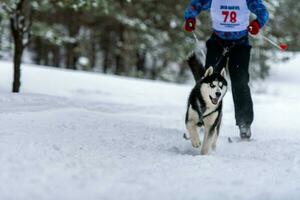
(74, 135)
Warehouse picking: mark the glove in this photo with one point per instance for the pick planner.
(190, 24)
(254, 27)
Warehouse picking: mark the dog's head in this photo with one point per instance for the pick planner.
(213, 86)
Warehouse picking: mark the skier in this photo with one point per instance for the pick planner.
(230, 23)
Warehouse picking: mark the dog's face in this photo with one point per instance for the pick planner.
(213, 87)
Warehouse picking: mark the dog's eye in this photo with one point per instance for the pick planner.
(221, 85)
(212, 85)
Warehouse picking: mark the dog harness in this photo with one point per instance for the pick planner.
(210, 113)
(230, 15)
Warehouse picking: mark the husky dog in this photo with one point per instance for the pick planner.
(205, 109)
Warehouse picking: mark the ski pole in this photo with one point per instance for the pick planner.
(197, 41)
(281, 46)
(195, 36)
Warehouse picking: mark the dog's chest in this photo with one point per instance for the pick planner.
(211, 115)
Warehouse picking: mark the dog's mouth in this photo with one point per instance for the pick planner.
(214, 100)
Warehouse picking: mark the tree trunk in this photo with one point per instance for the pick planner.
(106, 61)
(20, 24)
(105, 44)
(38, 48)
(18, 52)
(120, 61)
(93, 51)
(56, 56)
(72, 48)
(71, 56)
(140, 63)
(153, 74)
(119, 65)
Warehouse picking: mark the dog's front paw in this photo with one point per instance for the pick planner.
(213, 147)
(204, 151)
(195, 142)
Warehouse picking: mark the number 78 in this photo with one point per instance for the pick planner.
(231, 14)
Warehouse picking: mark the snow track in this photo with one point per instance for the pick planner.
(88, 136)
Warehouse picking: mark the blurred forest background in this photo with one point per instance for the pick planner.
(138, 38)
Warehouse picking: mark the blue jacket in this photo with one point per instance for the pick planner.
(255, 6)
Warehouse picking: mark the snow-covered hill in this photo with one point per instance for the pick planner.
(73, 135)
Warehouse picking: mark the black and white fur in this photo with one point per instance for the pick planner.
(205, 109)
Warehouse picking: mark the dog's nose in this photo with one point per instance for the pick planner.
(218, 94)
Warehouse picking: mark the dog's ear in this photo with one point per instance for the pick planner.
(223, 72)
(209, 71)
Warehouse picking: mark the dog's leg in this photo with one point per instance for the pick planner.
(208, 139)
(210, 126)
(216, 135)
(217, 131)
(215, 138)
(191, 125)
(193, 131)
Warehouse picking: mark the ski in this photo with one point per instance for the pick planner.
(238, 140)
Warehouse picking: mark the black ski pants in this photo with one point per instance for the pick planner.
(238, 59)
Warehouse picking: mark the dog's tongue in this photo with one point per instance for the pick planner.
(215, 100)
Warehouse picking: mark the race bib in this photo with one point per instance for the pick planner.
(230, 15)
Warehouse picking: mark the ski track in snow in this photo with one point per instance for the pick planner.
(74, 135)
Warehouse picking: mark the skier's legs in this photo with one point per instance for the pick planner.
(239, 74)
(214, 53)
